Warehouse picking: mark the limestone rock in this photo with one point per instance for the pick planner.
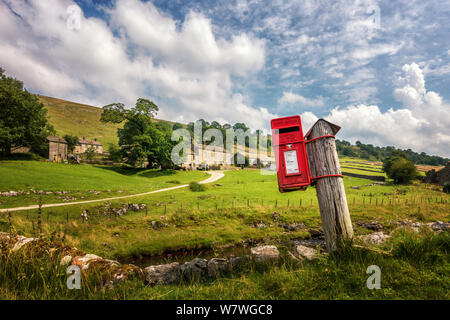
(373, 225)
(66, 260)
(83, 261)
(306, 252)
(236, 262)
(217, 266)
(21, 242)
(163, 274)
(265, 253)
(196, 268)
(439, 225)
(375, 238)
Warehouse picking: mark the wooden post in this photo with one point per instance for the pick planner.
(323, 160)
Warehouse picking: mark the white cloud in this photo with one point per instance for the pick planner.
(291, 98)
(422, 124)
(141, 52)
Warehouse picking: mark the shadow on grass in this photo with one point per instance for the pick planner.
(130, 171)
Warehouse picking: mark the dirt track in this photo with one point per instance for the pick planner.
(215, 175)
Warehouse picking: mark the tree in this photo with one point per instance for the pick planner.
(90, 153)
(115, 154)
(23, 118)
(400, 169)
(387, 162)
(141, 138)
(71, 142)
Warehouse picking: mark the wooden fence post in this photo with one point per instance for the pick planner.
(323, 160)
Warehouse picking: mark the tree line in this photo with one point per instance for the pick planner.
(371, 152)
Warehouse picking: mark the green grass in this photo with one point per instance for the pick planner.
(416, 267)
(226, 214)
(79, 180)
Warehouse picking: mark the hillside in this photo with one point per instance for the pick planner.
(81, 120)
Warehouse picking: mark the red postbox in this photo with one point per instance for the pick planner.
(290, 154)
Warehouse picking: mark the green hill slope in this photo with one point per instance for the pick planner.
(81, 120)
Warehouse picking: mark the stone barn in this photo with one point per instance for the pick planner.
(439, 177)
(57, 149)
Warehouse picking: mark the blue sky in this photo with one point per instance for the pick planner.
(380, 69)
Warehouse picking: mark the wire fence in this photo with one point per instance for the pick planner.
(47, 216)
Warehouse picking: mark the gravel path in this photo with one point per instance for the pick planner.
(215, 175)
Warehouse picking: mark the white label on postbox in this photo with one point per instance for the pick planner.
(290, 158)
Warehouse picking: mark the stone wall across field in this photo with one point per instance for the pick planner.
(362, 176)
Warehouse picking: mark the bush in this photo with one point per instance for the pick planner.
(446, 188)
(196, 187)
(400, 169)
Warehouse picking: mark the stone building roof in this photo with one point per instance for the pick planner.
(56, 139)
(85, 141)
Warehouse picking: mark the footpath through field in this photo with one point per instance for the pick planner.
(215, 175)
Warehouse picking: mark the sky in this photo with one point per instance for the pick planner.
(378, 69)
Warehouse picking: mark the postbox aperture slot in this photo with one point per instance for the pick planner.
(289, 129)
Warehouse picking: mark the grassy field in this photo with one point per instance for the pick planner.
(82, 182)
(229, 212)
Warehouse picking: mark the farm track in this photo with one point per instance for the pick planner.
(215, 175)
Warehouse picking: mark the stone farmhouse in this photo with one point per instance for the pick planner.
(57, 148)
(83, 145)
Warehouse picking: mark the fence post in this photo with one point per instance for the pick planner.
(323, 160)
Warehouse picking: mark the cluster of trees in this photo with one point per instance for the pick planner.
(141, 138)
(223, 129)
(23, 118)
(370, 152)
